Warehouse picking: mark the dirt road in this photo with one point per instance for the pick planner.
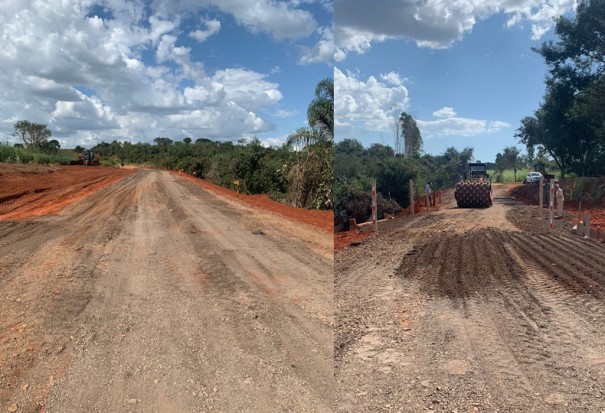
(464, 311)
(153, 295)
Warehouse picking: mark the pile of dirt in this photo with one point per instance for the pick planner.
(360, 207)
(355, 236)
(316, 218)
(33, 190)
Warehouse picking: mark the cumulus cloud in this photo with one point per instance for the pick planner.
(348, 39)
(282, 20)
(167, 50)
(279, 18)
(392, 77)
(212, 27)
(433, 23)
(366, 105)
(460, 127)
(444, 112)
(323, 50)
(86, 68)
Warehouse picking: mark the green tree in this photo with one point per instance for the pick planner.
(51, 146)
(570, 123)
(32, 134)
(454, 163)
(349, 147)
(531, 153)
(305, 136)
(163, 143)
(511, 159)
(320, 113)
(381, 151)
(500, 163)
(412, 140)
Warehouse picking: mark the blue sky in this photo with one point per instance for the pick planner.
(96, 70)
(464, 70)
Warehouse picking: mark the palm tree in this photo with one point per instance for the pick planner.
(302, 137)
(320, 113)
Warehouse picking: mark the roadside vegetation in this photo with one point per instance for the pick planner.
(22, 155)
(569, 125)
(356, 166)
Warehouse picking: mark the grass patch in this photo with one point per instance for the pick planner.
(508, 175)
(21, 155)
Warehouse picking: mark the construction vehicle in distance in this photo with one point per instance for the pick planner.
(86, 158)
(476, 190)
(540, 167)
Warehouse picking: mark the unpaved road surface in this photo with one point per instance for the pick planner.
(464, 311)
(153, 295)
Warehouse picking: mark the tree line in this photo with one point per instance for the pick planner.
(300, 172)
(355, 166)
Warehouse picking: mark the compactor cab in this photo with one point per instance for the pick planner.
(476, 190)
(476, 171)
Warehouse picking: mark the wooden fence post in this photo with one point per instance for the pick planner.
(374, 206)
(411, 188)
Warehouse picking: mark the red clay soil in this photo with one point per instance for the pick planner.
(322, 220)
(33, 190)
(596, 212)
(352, 237)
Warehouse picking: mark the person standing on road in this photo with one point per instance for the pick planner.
(560, 199)
(427, 193)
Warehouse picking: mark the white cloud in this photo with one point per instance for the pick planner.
(433, 23)
(282, 20)
(444, 112)
(167, 50)
(323, 50)
(275, 142)
(366, 105)
(247, 88)
(348, 40)
(212, 27)
(461, 127)
(392, 78)
(278, 18)
(281, 113)
(86, 113)
(89, 77)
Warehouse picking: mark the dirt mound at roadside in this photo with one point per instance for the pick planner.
(319, 219)
(33, 190)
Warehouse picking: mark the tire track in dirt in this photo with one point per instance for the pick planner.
(241, 347)
(255, 280)
(159, 292)
(581, 284)
(500, 323)
(467, 339)
(481, 318)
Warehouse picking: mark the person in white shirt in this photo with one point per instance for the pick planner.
(428, 193)
(560, 199)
